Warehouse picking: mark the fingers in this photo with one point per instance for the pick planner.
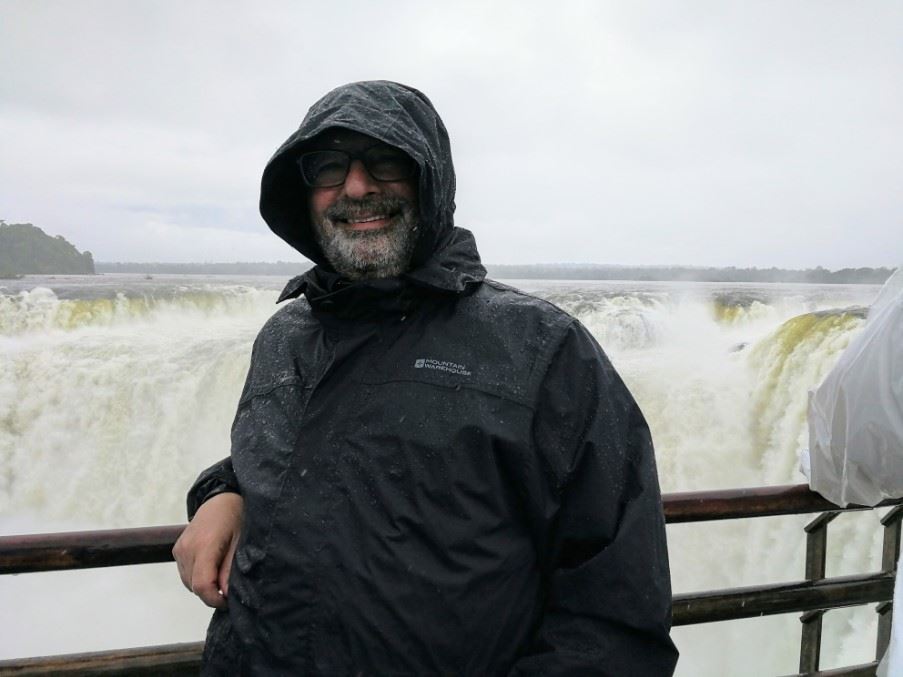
(205, 561)
(205, 583)
(204, 551)
(226, 567)
(198, 567)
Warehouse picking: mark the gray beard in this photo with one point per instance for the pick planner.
(368, 253)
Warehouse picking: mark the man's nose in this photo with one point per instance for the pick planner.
(359, 183)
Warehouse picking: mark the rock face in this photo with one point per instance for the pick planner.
(27, 250)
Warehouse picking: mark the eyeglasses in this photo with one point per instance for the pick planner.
(329, 168)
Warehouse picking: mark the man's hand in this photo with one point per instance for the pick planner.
(204, 550)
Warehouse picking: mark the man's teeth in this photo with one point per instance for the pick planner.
(367, 219)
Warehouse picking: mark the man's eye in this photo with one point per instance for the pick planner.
(389, 164)
(327, 169)
(324, 168)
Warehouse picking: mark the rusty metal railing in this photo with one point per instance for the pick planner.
(813, 595)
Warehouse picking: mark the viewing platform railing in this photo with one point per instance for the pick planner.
(812, 595)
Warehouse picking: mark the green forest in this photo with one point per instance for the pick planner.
(27, 250)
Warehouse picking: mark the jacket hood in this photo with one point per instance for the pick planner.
(393, 113)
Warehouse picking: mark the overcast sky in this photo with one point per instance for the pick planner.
(702, 133)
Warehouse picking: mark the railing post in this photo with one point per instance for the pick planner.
(889, 555)
(816, 551)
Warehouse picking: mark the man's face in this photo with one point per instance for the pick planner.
(367, 228)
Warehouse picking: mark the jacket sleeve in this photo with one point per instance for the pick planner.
(217, 479)
(602, 547)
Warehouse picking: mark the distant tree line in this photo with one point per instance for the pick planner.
(27, 250)
(552, 271)
(543, 271)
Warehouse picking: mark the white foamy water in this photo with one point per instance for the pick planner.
(116, 391)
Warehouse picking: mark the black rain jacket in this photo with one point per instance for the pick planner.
(441, 474)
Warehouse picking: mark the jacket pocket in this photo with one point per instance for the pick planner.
(245, 578)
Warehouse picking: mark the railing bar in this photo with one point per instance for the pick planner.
(789, 499)
(767, 600)
(87, 549)
(79, 550)
(168, 659)
(185, 659)
(863, 670)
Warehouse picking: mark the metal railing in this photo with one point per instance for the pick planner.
(812, 595)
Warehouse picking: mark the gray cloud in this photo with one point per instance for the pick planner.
(710, 133)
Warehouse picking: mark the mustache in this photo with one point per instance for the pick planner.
(346, 209)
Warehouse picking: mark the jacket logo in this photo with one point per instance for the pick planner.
(441, 365)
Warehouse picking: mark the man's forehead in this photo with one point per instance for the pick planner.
(339, 138)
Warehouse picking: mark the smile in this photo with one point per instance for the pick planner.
(378, 217)
(368, 222)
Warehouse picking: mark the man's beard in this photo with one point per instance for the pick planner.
(359, 254)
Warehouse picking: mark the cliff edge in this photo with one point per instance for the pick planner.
(27, 250)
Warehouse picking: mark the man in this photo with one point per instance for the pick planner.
(431, 473)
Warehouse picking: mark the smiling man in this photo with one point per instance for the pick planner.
(431, 472)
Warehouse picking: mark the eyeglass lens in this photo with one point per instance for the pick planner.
(329, 168)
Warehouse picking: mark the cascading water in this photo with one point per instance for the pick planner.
(115, 391)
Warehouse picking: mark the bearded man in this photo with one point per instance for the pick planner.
(431, 472)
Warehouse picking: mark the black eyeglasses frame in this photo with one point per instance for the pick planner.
(364, 157)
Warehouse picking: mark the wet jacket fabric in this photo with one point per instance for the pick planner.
(441, 474)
